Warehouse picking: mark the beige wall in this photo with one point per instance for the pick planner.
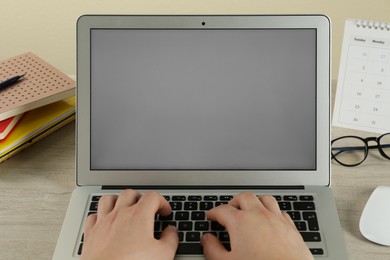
(47, 27)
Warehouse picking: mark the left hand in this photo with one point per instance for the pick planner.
(123, 228)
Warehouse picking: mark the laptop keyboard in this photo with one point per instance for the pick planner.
(189, 217)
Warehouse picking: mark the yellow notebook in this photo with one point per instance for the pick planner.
(37, 124)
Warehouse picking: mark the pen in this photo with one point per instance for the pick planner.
(11, 81)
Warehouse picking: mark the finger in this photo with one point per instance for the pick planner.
(89, 223)
(106, 204)
(212, 247)
(127, 198)
(223, 214)
(170, 238)
(245, 201)
(152, 202)
(270, 203)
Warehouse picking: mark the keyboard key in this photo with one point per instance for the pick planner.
(93, 206)
(284, 205)
(193, 236)
(167, 198)
(181, 236)
(225, 197)
(178, 198)
(215, 226)
(189, 249)
(290, 198)
(294, 215)
(191, 205)
(306, 198)
(185, 225)
(210, 197)
(224, 236)
(311, 236)
(176, 205)
(205, 205)
(182, 215)
(311, 218)
(278, 198)
(194, 198)
(80, 249)
(198, 215)
(194, 248)
(202, 225)
(96, 198)
(309, 215)
(316, 251)
(304, 205)
(313, 225)
(300, 225)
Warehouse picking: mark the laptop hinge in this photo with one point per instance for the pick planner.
(202, 187)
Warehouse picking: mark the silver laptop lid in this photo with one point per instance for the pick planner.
(203, 100)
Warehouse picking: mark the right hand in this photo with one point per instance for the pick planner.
(257, 230)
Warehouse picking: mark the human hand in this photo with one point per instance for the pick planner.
(257, 230)
(123, 228)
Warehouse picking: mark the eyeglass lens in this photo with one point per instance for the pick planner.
(384, 142)
(349, 150)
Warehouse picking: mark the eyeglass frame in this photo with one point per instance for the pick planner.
(367, 147)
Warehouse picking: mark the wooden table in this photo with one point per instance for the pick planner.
(36, 184)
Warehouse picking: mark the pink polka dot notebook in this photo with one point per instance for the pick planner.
(42, 84)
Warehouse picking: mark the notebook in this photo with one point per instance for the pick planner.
(7, 125)
(204, 107)
(37, 124)
(363, 88)
(42, 84)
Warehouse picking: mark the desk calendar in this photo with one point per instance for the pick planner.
(363, 88)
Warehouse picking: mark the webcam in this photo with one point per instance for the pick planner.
(203, 23)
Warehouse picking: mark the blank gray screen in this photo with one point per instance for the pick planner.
(203, 99)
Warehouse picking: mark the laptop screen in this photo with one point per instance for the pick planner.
(195, 99)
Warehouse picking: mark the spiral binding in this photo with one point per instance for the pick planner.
(373, 25)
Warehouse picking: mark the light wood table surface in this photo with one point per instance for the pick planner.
(36, 184)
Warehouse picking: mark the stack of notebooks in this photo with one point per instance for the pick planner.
(41, 102)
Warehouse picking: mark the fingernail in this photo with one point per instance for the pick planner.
(203, 238)
(173, 228)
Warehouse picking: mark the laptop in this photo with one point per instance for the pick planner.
(201, 108)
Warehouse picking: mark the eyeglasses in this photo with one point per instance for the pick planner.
(353, 150)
